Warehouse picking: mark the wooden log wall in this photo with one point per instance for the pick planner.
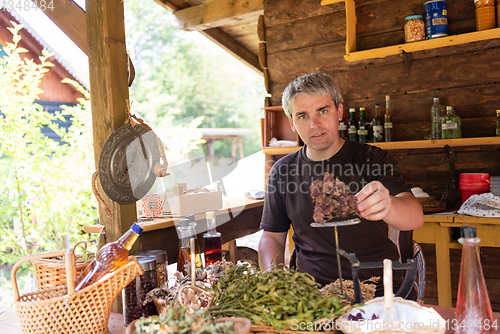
(302, 37)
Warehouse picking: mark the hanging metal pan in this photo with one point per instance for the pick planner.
(126, 163)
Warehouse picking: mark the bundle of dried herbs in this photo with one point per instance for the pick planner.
(368, 288)
(177, 321)
(332, 199)
(273, 298)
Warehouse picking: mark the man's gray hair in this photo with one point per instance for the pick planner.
(310, 84)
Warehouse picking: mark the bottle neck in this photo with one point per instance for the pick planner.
(352, 115)
(128, 239)
(361, 114)
(387, 107)
(377, 111)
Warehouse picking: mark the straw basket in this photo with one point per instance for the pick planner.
(62, 310)
(51, 272)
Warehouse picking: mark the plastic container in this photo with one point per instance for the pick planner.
(474, 184)
(135, 293)
(485, 18)
(436, 19)
(414, 28)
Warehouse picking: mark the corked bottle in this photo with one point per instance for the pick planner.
(474, 314)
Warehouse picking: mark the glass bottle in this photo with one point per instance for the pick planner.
(473, 312)
(212, 241)
(110, 258)
(378, 125)
(388, 120)
(352, 129)
(362, 130)
(342, 129)
(451, 124)
(436, 114)
(184, 254)
(498, 122)
(192, 234)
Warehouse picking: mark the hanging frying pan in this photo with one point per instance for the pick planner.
(127, 162)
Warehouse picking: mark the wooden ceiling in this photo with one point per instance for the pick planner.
(232, 24)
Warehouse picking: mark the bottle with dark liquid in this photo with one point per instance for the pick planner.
(388, 120)
(474, 313)
(212, 241)
(342, 129)
(111, 257)
(378, 126)
(362, 126)
(184, 254)
(192, 234)
(352, 130)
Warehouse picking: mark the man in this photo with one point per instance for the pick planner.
(313, 104)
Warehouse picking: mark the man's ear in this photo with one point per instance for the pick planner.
(291, 124)
(340, 111)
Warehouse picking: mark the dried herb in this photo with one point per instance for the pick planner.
(332, 199)
(368, 289)
(274, 298)
(177, 321)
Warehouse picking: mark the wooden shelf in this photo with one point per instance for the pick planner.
(353, 55)
(401, 145)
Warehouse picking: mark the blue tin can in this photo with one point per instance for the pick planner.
(436, 19)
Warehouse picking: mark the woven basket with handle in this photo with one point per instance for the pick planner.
(62, 310)
(51, 272)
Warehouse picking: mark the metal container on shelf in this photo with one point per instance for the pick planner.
(161, 263)
(436, 19)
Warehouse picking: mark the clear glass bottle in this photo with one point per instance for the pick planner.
(436, 114)
(362, 126)
(111, 257)
(192, 234)
(184, 254)
(451, 124)
(378, 125)
(352, 130)
(498, 121)
(473, 312)
(212, 240)
(388, 119)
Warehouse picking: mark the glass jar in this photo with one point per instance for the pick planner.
(414, 28)
(135, 293)
(485, 14)
(161, 263)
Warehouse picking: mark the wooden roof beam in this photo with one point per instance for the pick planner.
(216, 13)
(71, 19)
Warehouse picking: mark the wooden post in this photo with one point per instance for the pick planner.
(109, 95)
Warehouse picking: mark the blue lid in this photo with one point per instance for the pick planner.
(136, 228)
(414, 17)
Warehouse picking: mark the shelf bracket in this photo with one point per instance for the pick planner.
(451, 160)
(407, 61)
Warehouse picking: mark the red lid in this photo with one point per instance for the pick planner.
(474, 177)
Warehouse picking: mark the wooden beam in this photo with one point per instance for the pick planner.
(70, 18)
(109, 93)
(229, 44)
(216, 13)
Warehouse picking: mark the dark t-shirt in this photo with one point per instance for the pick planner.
(288, 201)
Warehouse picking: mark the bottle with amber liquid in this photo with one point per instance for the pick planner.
(378, 125)
(192, 234)
(111, 257)
(388, 119)
(498, 122)
(212, 241)
(473, 313)
(183, 231)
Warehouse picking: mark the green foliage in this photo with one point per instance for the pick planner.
(45, 194)
(181, 75)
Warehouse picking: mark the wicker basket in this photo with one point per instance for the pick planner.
(61, 309)
(51, 272)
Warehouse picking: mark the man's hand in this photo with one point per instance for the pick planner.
(374, 201)
(402, 211)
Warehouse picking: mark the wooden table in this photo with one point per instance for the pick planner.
(442, 231)
(9, 322)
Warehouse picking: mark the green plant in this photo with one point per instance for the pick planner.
(45, 194)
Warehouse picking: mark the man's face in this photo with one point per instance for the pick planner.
(316, 120)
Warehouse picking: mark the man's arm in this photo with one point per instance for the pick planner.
(402, 211)
(271, 249)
